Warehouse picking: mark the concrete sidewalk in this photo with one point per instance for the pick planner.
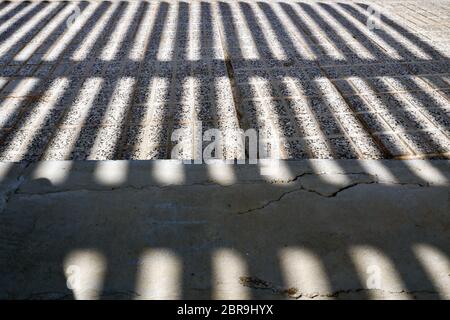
(159, 229)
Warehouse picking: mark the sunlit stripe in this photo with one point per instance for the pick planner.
(9, 110)
(85, 271)
(244, 34)
(56, 172)
(167, 45)
(159, 275)
(111, 173)
(221, 173)
(3, 82)
(120, 32)
(145, 29)
(378, 169)
(302, 269)
(377, 273)
(425, 170)
(168, 171)
(437, 266)
(217, 24)
(20, 87)
(229, 266)
(326, 166)
(162, 85)
(194, 44)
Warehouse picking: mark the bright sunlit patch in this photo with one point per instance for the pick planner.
(376, 271)
(221, 173)
(145, 28)
(168, 171)
(329, 166)
(170, 32)
(228, 267)
(159, 275)
(303, 270)
(274, 170)
(426, 171)
(379, 169)
(54, 171)
(85, 270)
(111, 173)
(437, 266)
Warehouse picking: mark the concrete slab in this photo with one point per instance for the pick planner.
(312, 229)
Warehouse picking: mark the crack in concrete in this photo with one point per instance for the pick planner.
(331, 195)
(302, 188)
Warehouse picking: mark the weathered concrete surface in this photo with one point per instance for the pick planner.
(159, 229)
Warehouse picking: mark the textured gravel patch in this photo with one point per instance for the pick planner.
(123, 76)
